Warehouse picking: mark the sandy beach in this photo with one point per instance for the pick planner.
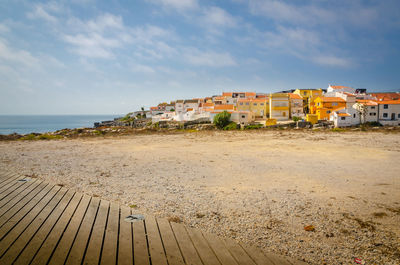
(260, 187)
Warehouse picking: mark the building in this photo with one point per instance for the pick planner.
(170, 107)
(345, 117)
(239, 117)
(386, 96)
(190, 104)
(309, 95)
(296, 105)
(341, 89)
(223, 107)
(324, 106)
(279, 106)
(219, 100)
(259, 106)
(179, 106)
(367, 109)
(389, 112)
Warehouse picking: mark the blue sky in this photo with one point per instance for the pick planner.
(106, 57)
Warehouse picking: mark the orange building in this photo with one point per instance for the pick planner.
(325, 105)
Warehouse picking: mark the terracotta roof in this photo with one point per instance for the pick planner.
(349, 94)
(367, 102)
(389, 102)
(343, 114)
(386, 96)
(250, 94)
(227, 94)
(219, 98)
(153, 108)
(179, 101)
(332, 99)
(191, 101)
(208, 105)
(295, 96)
(224, 107)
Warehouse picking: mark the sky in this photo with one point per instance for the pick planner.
(115, 56)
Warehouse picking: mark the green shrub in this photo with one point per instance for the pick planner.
(373, 124)
(295, 118)
(222, 119)
(337, 129)
(253, 126)
(231, 126)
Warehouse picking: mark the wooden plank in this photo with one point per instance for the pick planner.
(205, 252)
(15, 205)
(34, 244)
(14, 193)
(140, 250)
(125, 242)
(219, 248)
(6, 178)
(185, 244)
(237, 252)
(109, 252)
(93, 251)
(79, 246)
(5, 175)
(172, 251)
(30, 210)
(24, 231)
(67, 239)
(156, 247)
(257, 255)
(11, 185)
(52, 239)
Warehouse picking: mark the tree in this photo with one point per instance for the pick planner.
(222, 119)
(362, 110)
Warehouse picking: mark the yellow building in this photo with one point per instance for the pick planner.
(259, 106)
(279, 106)
(324, 106)
(309, 95)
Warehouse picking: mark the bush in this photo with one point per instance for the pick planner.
(222, 119)
(295, 118)
(231, 126)
(373, 124)
(253, 126)
(337, 129)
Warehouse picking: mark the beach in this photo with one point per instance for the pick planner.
(259, 187)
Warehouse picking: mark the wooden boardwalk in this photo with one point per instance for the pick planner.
(48, 224)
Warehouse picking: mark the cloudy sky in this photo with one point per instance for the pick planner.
(112, 57)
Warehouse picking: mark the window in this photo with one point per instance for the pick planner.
(304, 93)
(398, 115)
(354, 115)
(247, 103)
(343, 118)
(386, 106)
(334, 104)
(284, 114)
(262, 104)
(372, 107)
(243, 116)
(241, 103)
(255, 104)
(328, 111)
(385, 115)
(318, 104)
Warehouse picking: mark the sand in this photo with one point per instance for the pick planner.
(260, 187)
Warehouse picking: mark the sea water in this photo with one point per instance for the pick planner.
(24, 124)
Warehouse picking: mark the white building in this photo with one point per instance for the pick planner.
(191, 104)
(368, 110)
(345, 117)
(179, 106)
(296, 105)
(389, 112)
(341, 89)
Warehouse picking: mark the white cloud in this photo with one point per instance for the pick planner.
(4, 28)
(332, 61)
(176, 4)
(40, 12)
(145, 69)
(16, 56)
(209, 58)
(216, 16)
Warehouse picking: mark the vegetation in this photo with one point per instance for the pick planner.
(222, 119)
(44, 136)
(337, 130)
(231, 126)
(295, 118)
(253, 126)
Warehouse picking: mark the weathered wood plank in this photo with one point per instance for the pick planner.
(11, 185)
(13, 206)
(109, 252)
(93, 251)
(79, 246)
(156, 249)
(185, 244)
(61, 252)
(257, 256)
(10, 178)
(277, 259)
(30, 210)
(172, 251)
(125, 245)
(34, 244)
(4, 176)
(12, 194)
(238, 253)
(24, 231)
(205, 252)
(140, 250)
(220, 250)
(52, 239)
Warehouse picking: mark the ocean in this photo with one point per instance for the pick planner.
(24, 124)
